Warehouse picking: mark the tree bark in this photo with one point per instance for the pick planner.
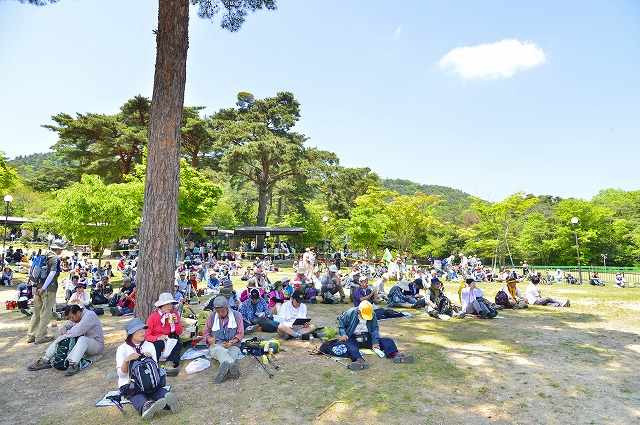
(159, 227)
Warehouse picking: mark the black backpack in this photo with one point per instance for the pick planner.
(63, 348)
(146, 376)
(444, 306)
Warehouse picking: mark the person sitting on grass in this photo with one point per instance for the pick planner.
(290, 311)
(358, 328)
(331, 283)
(223, 333)
(472, 303)
(363, 292)
(620, 281)
(534, 296)
(514, 298)
(595, 279)
(397, 297)
(163, 329)
(255, 313)
(7, 276)
(25, 297)
(82, 324)
(80, 297)
(134, 347)
(438, 304)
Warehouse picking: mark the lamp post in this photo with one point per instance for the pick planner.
(325, 219)
(574, 220)
(8, 199)
(604, 260)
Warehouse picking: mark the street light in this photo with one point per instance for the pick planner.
(8, 199)
(574, 220)
(604, 261)
(324, 245)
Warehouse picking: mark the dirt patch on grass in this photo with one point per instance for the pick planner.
(540, 365)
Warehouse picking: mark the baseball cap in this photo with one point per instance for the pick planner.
(366, 310)
(255, 294)
(297, 295)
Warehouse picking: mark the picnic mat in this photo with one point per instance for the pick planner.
(104, 401)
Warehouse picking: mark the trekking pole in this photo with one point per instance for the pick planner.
(316, 351)
(115, 399)
(273, 363)
(263, 366)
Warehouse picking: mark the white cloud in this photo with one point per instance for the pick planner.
(491, 61)
(396, 34)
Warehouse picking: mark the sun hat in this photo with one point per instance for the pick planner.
(227, 283)
(57, 244)
(363, 278)
(403, 284)
(366, 310)
(435, 281)
(333, 269)
(470, 280)
(79, 285)
(164, 299)
(133, 325)
(220, 302)
(284, 280)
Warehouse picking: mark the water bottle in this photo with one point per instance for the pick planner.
(311, 338)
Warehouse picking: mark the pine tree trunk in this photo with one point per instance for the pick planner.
(159, 227)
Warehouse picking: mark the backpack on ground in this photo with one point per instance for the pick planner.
(113, 301)
(63, 349)
(38, 270)
(334, 347)
(259, 345)
(502, 299)
(146, 376)
(444, 306)
(98, 297)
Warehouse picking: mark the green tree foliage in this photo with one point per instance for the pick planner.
(90, 212)
(369, 221)
(409, 215)
(8, 175)
(106, 145)
(343, 185)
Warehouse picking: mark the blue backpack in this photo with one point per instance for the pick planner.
(38, 270)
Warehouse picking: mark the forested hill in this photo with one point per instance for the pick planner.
(406, 187)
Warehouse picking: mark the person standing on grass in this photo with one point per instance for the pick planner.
(45, 296)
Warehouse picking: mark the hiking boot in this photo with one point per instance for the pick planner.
(39, 365)
(172, 402)
(483, 314)
(222, 372)
(172, 372)
(44, 339)
(234, 370)
(30, 340)
(72, 369)
(151, 407)
(402, 358)
(568, 303)
(358, 364)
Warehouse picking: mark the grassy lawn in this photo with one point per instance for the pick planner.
(538, 365)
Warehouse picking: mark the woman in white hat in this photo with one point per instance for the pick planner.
(134, 347)
(163, 328)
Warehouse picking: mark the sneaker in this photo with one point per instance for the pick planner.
(461, 315)
(568, 303)
(358, 364)
(172, 402)
(72, 369)
(31, 340)
(251, 329)
(44, 339)
(151, 407)
(39, 365)
(222, 372)
(483, 314)
(402, 358)
(234, 370)
(298, 335)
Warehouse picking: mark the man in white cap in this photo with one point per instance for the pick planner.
(358, 328)
(223, 333)
(45, 295)
(331, 283)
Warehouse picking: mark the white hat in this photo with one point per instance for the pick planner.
(363, 278)
(403, 284)
(57, 244)
(333, 269)
(165, 298)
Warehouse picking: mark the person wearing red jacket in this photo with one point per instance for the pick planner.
(163, 328)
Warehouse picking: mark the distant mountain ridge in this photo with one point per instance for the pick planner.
(406, 187)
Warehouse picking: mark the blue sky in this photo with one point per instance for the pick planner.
(490, 97)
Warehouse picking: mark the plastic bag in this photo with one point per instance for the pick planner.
(198, 365)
